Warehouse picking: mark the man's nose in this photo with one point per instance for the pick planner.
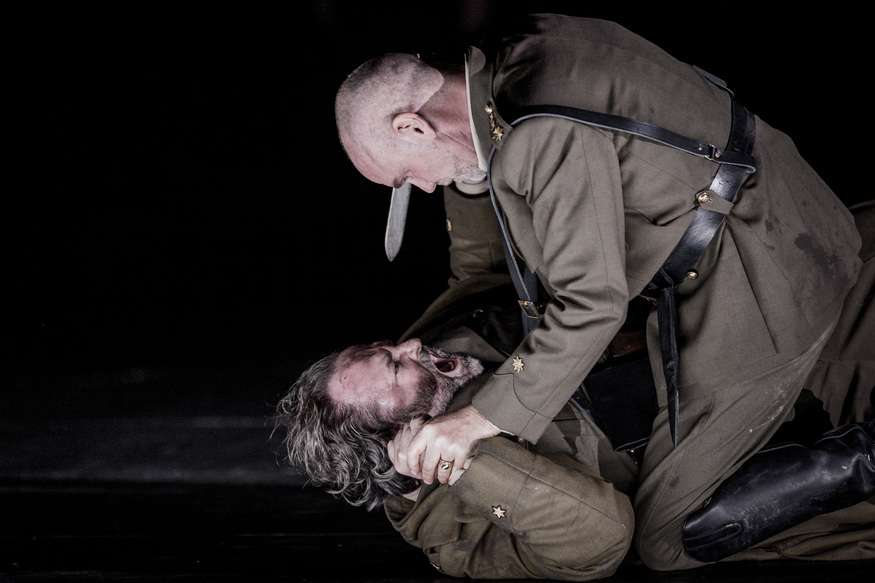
(411, 348)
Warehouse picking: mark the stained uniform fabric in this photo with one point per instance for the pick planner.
(594, 213)
(456, 526)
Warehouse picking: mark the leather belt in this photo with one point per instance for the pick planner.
(680, 263)
(735, 162)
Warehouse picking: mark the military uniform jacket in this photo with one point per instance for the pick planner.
(554, 509)
(594, 213)
(530, 512)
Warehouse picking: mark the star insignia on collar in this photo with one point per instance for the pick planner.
(499, 511)
(518, 364)
(494, 128)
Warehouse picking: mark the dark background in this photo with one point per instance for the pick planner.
(182, 234)
(180, 205)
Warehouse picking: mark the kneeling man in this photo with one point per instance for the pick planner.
(557, 509)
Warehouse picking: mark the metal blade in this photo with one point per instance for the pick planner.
(397, 219)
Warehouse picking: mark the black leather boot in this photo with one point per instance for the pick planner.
(782, 486)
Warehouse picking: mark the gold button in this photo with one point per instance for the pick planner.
(692, 275)
(488, 107)
(703, 198)
(449, 226)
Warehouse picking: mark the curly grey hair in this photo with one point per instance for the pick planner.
(336, 445)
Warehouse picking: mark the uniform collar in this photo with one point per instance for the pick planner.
(478, 78)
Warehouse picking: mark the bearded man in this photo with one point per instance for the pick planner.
(558, 508)
(512, 512)
(607, 166)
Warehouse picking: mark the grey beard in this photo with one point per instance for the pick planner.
(435, 390)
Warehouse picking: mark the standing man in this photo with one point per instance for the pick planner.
(596, 213)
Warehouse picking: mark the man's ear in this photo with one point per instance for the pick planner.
(412, 127)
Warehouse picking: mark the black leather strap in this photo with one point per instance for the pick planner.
(735, 162)
(639, 128)
(524, 281)
(689, 250)
(725, 184)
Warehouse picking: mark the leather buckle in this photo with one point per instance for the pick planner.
(530, 310)
(715, 153)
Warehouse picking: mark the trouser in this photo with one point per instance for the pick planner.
(720, 431)
(840, 386)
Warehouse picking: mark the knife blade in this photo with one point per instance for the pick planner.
(397, 220)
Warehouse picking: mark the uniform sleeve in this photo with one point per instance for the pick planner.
(517, 515)
(559, 185)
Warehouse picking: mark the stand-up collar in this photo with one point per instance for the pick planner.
(478, 77)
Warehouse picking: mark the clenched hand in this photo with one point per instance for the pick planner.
(419, 447)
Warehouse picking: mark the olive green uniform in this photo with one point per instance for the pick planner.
(548, 510)
(594, 213)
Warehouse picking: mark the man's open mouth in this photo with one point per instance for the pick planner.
(445, 365)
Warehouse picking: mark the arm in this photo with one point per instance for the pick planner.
(416, 450)
(560, 187)
(515, 514)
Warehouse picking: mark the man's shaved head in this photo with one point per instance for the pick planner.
(375, 93)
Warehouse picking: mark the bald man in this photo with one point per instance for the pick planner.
(595, 212)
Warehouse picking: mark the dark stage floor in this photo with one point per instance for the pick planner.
(198, 496)
(183, 232)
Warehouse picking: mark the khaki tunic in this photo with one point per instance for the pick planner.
(520, 512)
(595, 213)
(559, 517)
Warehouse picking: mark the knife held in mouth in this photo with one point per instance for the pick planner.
(397, 220)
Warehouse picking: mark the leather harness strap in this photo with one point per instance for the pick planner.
(735, 162)
(680, 263)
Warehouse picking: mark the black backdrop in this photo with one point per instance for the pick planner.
(177, 200)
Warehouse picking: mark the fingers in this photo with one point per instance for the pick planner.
(425, 451)
(450, 437)
(398, 452)
(444, 470)
(436, 454)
